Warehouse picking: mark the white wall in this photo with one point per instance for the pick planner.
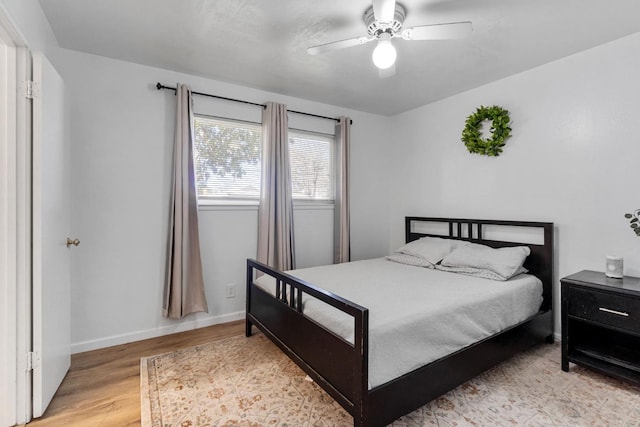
(122, 132)
(572, 158)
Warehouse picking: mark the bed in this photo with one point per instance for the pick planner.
(346, 364)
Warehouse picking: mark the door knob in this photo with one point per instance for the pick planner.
(74, 242)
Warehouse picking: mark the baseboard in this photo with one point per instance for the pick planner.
(83, 346)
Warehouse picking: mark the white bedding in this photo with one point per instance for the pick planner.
(416, 315)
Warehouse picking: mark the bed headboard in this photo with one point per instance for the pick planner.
(539, 262)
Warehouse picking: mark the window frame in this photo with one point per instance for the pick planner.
(222, 200)
(252, 203)
(332, 174)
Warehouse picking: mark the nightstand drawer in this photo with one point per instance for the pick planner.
(608, 309)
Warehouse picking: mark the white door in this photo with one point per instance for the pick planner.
(8, 238)
(51, 227)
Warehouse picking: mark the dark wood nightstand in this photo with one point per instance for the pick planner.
(601, 324)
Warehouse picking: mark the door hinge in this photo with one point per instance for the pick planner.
(32, 360)
(29, 361)
(29, 94)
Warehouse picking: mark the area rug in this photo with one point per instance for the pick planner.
(249, 382)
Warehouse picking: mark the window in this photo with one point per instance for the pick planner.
(227, 158)
(227, 155)
(311, 159)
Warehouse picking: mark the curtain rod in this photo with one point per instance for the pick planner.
(160, 86)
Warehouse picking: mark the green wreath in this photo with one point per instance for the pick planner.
(500, 131)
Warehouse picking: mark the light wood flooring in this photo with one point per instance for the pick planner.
(102, 388)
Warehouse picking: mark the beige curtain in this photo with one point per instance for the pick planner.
(275, 215)
(184, 287)
(342, 230)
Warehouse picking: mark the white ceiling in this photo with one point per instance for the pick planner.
(262, 43)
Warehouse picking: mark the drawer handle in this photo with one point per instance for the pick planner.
(619, 313)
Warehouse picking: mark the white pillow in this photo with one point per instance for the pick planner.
(478, 272)
(505, 262)
(409, 260)
(432, 249)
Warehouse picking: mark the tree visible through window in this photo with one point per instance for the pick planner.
(227, 157)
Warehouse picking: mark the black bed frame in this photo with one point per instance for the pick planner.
(341, 367)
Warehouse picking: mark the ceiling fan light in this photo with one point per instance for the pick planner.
(384, 55)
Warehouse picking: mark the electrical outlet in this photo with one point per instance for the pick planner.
(230, 290)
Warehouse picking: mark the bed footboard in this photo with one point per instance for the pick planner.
(338, 366)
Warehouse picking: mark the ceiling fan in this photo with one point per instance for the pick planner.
(384, 21)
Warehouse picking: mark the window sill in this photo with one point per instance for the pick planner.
(307, 205)
(228, 206)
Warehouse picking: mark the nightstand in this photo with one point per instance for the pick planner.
(601, 324)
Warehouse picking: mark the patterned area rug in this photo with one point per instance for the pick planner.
(249, 382)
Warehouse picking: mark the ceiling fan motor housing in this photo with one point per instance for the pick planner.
(376, 28)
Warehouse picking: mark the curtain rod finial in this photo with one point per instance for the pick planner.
(158, 86)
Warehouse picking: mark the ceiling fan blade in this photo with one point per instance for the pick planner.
(387, 72)
(384, 10)
(341, 44)
(453, 30)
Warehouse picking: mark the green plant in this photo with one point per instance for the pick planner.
(634, 221)
(500, 131)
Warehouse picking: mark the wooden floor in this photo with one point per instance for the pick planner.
(102, 388)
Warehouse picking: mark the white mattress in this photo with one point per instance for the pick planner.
(416, 315)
